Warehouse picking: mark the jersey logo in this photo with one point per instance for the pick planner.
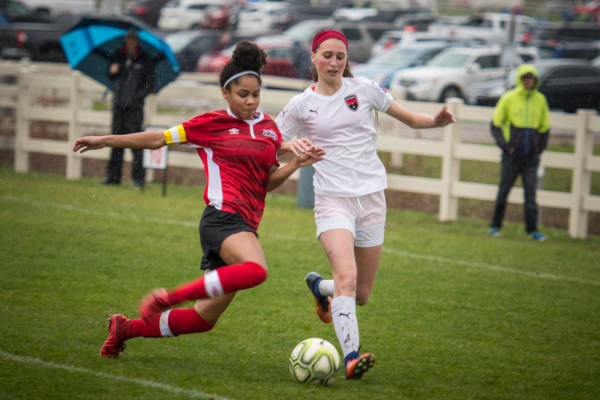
(314, 111)
(351, 102)
(234, 131)
(269, 133)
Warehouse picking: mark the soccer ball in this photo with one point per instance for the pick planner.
(316, 361)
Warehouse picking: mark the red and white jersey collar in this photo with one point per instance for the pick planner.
(259, 117)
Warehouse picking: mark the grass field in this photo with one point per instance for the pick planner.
(454, 313)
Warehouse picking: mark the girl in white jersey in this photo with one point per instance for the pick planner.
(336, 113)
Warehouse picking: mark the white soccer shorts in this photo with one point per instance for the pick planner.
(364, 216)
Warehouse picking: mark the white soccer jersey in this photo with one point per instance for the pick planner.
(343, 124)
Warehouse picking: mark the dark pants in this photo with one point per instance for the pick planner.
(126, 120)
(512, 167)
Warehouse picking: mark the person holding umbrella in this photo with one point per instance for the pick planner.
(133, 78)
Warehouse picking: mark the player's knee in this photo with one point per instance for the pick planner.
(259, 272)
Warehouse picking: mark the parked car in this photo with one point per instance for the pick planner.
(390, 39)
(360, 35)
(287, 59)
(52, 8)
(185, 14)
(582, 51)
(419, 21)
(262, 14)
(15, 11)
(392, 13)
(38, 41)
(302, 10)
(354, 14)
(450, 73)
(147, 10)
(491, 27)
(548, 37)
(383, 66)
(189, 45)
(567, 84)
(223, 16)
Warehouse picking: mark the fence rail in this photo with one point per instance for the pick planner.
(32, 78)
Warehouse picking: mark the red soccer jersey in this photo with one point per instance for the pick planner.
(237, 155)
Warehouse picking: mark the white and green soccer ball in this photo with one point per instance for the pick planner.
(315, 361)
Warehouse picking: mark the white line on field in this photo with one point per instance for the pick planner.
(143, 382)
(397, 253)
(486, 266)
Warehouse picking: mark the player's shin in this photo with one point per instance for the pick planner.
(343, 310)
(170, 323)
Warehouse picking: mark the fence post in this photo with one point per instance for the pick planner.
(581, 182)
(450, 165)
(397, 159)
(74, 160)
(22, 124)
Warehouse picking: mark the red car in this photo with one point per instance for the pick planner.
(284, 58)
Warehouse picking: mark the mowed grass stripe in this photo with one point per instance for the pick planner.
(398, 253)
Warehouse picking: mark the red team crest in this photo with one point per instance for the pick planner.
(351, 102)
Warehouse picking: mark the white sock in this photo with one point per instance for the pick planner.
(326, 287)
(343, 310)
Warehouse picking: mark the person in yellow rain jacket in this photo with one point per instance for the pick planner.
(521, 128)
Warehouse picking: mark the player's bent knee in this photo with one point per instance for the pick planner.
(258, 273)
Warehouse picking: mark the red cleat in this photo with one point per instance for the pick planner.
(154, 304)
(357, 367)
(117, 335)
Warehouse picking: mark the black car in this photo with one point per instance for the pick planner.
(567, 84)
(189, 45)
(547, 37)
(15, 11)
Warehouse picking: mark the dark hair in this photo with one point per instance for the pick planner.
(313, 68)
(247, 56)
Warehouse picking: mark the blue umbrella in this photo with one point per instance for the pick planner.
(91, 50)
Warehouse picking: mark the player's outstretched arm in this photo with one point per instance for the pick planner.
(140, 140)
(280, 175)
(420, 120)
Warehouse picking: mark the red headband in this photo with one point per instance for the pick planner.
(329, 34)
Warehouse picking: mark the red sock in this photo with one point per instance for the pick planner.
(220, 281)
(171, 323)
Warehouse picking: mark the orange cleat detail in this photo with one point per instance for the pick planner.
(357, 367)
(322, 303)
(323, 310)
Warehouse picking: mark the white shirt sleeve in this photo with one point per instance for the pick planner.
(289, 121)
(379, 97)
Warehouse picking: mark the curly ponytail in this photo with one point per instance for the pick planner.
(247, 56)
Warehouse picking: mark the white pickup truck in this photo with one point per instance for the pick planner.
(491, 27)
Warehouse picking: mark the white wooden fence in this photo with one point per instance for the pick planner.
(78, 113)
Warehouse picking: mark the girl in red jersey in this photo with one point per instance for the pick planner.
(239, 149)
